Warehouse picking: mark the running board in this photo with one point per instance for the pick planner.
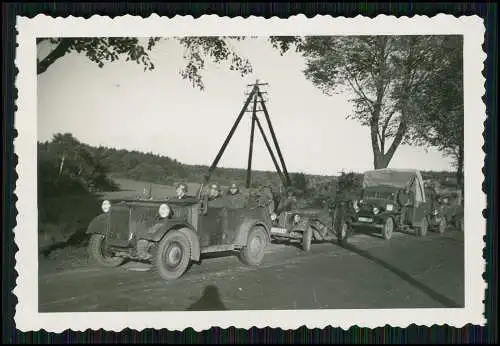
(219, 248)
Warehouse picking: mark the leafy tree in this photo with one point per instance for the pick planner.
(384, 74)
(441, 116)
(101, 50)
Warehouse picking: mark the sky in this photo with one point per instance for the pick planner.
(157, 111)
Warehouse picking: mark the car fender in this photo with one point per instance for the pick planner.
(99, 225)
(302, 226)
(246, 226)
(159, 230)
(382, 217)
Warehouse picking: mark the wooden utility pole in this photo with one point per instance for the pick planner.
(255, 94)
(250, 150)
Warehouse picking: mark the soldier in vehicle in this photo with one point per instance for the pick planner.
(287, 202)
(233, 190)
(216, 199)
(214, 192)
(181, 192)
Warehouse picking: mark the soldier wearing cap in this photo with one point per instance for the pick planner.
(214, 192)
(233, 190)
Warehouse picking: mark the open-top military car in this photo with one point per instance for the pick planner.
(294, 225)
(308, 224)
(176, 232)
(392, 200)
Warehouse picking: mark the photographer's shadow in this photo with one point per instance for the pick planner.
(210, 300)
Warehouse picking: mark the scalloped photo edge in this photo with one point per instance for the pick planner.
(27, 317)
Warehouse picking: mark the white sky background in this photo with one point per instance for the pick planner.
(157, 111)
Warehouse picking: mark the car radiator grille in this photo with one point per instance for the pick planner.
(285, 220)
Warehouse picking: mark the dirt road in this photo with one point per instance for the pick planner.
(405, 272)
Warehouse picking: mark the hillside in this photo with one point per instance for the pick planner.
(157, 169)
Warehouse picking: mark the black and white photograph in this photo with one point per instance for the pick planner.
(204, 172)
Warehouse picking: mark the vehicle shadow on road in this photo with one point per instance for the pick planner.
(209, 300)
(438, 297)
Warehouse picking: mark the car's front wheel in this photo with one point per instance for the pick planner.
(307, 239)
(388, 228)
(99, 253)
(173, 255)
(253, 253)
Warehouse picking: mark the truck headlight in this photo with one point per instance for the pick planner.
(106, 206)
(296, 218)
(355, 206)
(389, 207)
(375, 210)
(274, 217)
(164, 210)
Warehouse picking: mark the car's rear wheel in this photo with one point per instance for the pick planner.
(422, 229)
(99, 253)
(253, 252)
(173, 255)
(388, 228)
(306, 239)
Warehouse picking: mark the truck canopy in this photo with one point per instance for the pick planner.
(397, 178)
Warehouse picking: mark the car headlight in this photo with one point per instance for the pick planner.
(164, 210)
(296, 218)
(274, 217)
(106, 206)
(375, 210)
(389, 207)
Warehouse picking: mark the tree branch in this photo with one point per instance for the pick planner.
(386, 122)
(397, 140)
(357, 89)
(58, 52)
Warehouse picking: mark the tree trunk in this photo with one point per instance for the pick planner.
(379, 160)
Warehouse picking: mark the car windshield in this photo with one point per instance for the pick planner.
(382, 192)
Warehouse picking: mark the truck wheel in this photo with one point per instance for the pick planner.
(342, 234)
(173, 255)
(253, 253)
(98, 253)
(306, 239)
(442, 226)
(422, 229)
(388, 228)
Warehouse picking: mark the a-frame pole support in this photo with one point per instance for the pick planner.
(276, 165)
(273, 135)
(250, 150)
(230, 135)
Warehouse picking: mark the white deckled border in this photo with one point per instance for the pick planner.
(27, 317)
